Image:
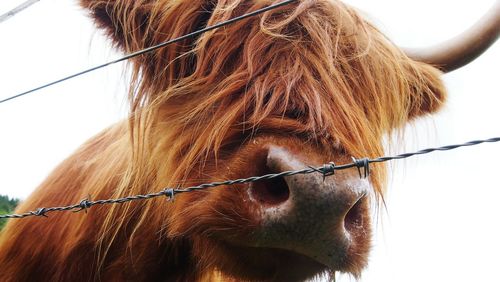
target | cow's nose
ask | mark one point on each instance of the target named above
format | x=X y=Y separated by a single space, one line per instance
x=308 y=213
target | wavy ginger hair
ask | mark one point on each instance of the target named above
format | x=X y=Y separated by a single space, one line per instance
x=313 y=71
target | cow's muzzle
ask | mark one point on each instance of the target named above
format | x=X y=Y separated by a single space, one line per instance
x=325 y=219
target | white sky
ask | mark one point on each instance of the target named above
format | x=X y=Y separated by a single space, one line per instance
x=442 y=219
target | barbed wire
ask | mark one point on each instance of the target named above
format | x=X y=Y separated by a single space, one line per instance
x=17 y=10
x=326 y=170
x=152 y=48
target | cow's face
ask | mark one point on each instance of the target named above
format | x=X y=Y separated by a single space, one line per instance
x=300 y=86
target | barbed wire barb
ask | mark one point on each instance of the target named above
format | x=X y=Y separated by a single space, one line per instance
x=326 y=170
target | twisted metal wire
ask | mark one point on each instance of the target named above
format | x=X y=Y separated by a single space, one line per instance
x=326 y=170
x=152 y=48
x=17 y=10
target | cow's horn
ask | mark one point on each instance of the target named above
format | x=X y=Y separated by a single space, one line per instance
x=464 y=48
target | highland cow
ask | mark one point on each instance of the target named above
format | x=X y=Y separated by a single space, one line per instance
x=301 y=85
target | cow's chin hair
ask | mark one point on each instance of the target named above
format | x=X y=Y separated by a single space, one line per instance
x=244 y=263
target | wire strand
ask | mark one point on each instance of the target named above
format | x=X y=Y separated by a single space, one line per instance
x=152 y=48
x=17 y=10
x=326 y=170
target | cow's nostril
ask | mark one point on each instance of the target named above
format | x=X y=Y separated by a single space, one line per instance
x=354 y=217
x=270 y=192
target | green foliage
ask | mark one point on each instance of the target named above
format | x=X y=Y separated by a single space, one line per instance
x=6 y=206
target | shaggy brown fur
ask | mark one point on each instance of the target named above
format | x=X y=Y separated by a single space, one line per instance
x=312 y=74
